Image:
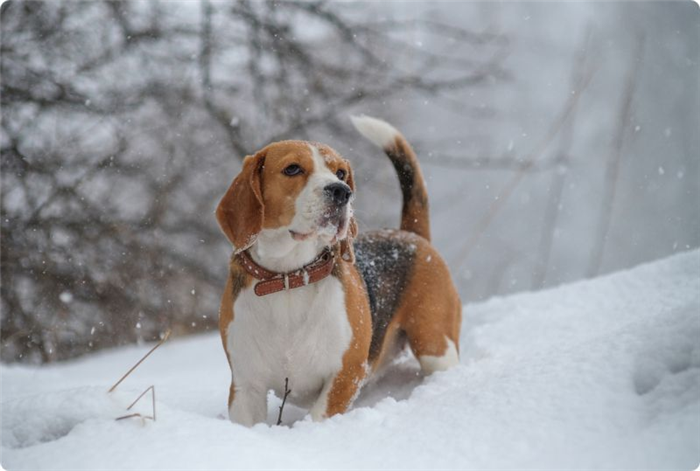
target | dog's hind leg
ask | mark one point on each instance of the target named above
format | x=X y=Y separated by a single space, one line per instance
x=430 y=364
x=431 y=313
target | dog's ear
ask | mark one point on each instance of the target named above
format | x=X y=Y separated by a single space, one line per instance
x=351 y=179
x=241 y=211
x=346 y=249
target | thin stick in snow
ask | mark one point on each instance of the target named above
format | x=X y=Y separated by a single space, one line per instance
x=165 y=337
x=153 y=399
x=284 y=400
x=129 y=416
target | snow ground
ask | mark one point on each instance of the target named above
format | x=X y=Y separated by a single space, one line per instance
x=598 y=374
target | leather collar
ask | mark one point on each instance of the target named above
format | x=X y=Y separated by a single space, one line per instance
x=272 y=282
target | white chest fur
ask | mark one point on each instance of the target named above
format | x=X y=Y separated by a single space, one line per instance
x=299 y=334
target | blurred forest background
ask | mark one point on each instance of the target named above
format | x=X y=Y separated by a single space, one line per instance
x=559 y=142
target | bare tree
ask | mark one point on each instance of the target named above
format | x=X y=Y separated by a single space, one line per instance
x=582 y=67
x=614 y=159
x=123 y=123
x=528 y=163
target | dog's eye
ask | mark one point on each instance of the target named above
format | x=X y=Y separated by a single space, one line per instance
x=341 y=174
x=292 y=170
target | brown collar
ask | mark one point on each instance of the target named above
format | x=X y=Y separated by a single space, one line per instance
x=272 y=282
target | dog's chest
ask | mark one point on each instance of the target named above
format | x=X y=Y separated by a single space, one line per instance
x=299 y=334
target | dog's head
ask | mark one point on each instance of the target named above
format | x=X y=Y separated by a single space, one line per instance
x=303 y=190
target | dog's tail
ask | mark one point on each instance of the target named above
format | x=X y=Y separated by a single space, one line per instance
x=414 y=215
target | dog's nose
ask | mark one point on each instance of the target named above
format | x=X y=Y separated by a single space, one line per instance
x=338 y=193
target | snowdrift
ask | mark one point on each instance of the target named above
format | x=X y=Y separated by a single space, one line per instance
x=598 y=374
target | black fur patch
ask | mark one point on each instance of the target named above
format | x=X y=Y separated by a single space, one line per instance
x=412 y=193
x=405 y=172
x=385 y=262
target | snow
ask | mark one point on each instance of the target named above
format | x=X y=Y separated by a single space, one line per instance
x=598 y=374
x=66 y=297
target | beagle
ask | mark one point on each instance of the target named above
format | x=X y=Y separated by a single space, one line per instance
x=309 y=300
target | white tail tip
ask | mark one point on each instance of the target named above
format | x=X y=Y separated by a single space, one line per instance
x=379 y=132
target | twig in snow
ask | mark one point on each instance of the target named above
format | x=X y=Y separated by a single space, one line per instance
x=153 y=399
x=165 y=337
x=130 y=416
x=284 y=400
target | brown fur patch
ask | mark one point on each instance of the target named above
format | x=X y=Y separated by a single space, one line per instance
x=348 y=380
x=430 y=310
x=280 y=191
x=241 y=211
x=237 y=280
x=392 y=342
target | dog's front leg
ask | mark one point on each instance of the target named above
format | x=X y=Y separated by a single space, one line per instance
x=247 y=405
x=339 y=391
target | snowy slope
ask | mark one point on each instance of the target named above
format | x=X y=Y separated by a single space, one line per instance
x=598 y=374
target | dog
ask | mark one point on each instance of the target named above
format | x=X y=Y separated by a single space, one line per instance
x=308 y=300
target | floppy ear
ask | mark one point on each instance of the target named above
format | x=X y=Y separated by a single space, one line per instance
x=347 y=252
x=241 y=211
